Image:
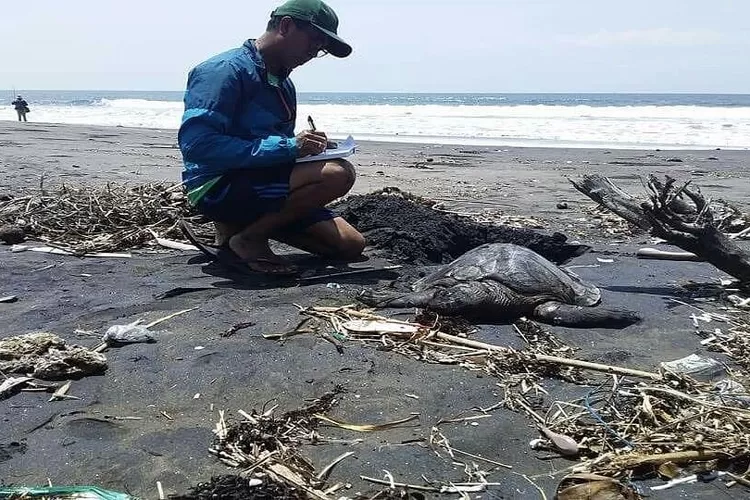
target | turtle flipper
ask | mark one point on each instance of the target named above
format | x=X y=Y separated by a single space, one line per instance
x=556 y=313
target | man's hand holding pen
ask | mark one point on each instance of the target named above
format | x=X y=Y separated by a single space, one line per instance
x=312 y=141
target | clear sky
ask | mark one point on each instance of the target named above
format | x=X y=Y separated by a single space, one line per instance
x=399 y=45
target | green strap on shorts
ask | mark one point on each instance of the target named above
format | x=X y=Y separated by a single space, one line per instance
x=196 y=195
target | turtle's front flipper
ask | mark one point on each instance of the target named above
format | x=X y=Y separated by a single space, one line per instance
x=556 y=313
x=378 y=298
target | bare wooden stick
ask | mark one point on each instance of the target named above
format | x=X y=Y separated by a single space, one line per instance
x=174 y=245
x=165 y=318
x=554 y=359
x=678 y=457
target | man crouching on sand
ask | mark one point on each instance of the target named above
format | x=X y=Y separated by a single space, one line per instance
x=239 y=148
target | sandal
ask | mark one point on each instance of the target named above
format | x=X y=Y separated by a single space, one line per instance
x=208 y=250
x=230 y=259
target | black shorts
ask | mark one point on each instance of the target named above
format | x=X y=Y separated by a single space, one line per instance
x=241 y=197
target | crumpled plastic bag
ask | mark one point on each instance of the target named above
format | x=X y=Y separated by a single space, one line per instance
x=728 y=391
x=701 y=368
x=132 y=333
x=63 y=493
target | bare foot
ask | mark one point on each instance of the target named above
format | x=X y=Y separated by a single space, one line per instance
x=257 y=254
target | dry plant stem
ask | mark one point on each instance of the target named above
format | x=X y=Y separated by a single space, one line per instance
x=477 y=457
x=323 y=474
x=400 y=485
x=738 y=479
x=555 y=359
x=679 y=457
x=86 y=220
x=287 y=475
x=538 y=488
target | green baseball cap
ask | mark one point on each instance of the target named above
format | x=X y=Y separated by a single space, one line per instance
x=319 y=15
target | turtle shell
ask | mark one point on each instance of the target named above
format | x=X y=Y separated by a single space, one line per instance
x=522 y=270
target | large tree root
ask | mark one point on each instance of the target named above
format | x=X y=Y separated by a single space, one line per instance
x=677 y=214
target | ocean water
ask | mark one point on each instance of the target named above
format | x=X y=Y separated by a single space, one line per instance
x=624 y=121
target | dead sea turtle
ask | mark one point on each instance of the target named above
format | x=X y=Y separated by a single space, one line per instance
x=497 y=282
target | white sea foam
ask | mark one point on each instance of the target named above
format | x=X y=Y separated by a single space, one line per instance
x=699 y=127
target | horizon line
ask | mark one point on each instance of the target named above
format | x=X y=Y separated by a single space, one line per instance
x=16 y=90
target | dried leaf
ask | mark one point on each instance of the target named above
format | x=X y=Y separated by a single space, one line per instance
x=366 y=427
x=669 y=470
x=593 y=487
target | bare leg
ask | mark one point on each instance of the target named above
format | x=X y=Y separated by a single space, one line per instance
x=312 y=185
x=224 y=231
x=335 y=239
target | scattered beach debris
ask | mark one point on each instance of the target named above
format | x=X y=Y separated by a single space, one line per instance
x=262 y=441
x=62 y=393
x=497 y=282
x=233 y=487
x=132 y=333
x=698 y=367
x=618 y=426
x=90 y=219
x=545 y=354
x=624 y=426
x=11 y=384
x=62 y=493
x=60 y=251
x=406 y=228
x=269 y=447
x=594 y=487
x=608 y=222
x=564 y=444
x=236 y=328
x=47 y=356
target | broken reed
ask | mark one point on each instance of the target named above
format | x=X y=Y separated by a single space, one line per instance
x=624 y=425
x=261 y=436
x=619 y=426
x=523 y=368
x=105 y=218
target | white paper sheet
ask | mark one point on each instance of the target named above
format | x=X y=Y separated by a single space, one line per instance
x=344 y=148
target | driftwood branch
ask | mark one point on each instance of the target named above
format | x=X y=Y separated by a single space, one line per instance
x=677 y=214
x=606 y=193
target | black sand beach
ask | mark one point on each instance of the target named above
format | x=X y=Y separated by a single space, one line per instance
x=177 y=385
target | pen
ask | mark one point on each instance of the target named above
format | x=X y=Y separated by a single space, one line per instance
x=311 y=123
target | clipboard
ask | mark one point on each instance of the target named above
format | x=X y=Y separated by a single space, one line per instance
x=345 y=148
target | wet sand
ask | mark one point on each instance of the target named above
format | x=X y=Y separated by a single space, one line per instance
x=77 y=441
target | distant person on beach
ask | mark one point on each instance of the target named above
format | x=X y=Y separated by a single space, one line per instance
x=239 y=148
x=22 y=107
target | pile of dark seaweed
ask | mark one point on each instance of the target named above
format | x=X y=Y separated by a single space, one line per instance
x=405 y=228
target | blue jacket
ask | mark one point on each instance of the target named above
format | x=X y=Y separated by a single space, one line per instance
x=234 y=118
